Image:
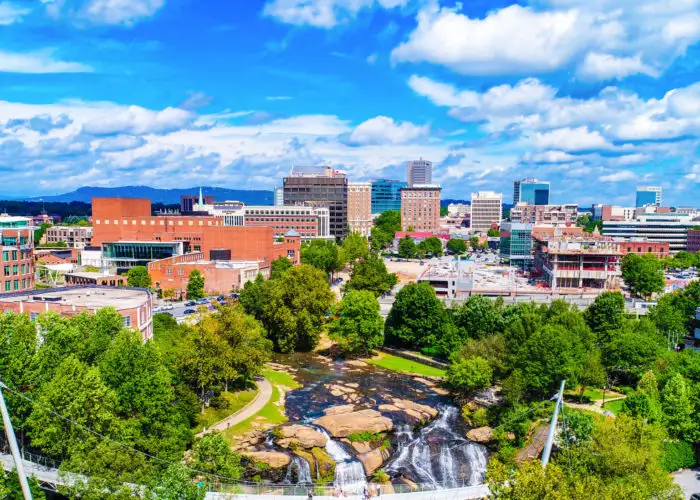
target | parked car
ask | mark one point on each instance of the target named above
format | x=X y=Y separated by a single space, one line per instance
x=202 y=301
x=168 y=306
x=190 y=303
x=189 y=311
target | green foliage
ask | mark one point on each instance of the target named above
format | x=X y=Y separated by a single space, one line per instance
x=457 y=246
x=359 y=328
x=138 y=277
x=478 y=317
x=432 y=247
x=443 y=211
x=253 y=296
x=389 y=222
x=39 y=233
x=380 y=477
x=11 y=489
x=177 y=483
x=493 y=232
x=678 y=409
x=379 y=240
x=417 y=318
x=355 y=247
x=293 y=308
x=677 y=455
x=322 y=254
x=366 y=437
x=212 y=454
x=470 y=374
x=371 y=275
x=643 y=274
x=195 y=285
x=579 y=427
x=407 y=248
x=279 y=267
x=605 y=315
x=55 y=244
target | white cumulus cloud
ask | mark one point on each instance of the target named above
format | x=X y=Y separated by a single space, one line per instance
x=38 y=62
x=384 y=130
x=11 y=13
x=113 y=12
x=622 y=175
x=598 y=66
x=323 y=13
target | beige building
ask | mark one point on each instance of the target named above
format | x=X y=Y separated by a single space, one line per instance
x=360 y=207
x=420 y=208
x=487 y=209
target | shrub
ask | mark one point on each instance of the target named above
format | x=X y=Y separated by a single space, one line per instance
x=677 y=455
x=380 y=476
x=220 y=402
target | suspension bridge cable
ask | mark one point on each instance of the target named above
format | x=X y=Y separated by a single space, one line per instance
x=125 y=446
x=566 y=436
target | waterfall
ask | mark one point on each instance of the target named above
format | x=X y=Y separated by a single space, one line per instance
x=349 y=473
x=303 y=471
x=439 y=455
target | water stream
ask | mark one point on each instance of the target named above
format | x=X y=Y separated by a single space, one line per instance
x=349 y=472
x=298 y=472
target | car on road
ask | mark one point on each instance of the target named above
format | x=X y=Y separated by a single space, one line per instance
x=189 y=311
x=202 y=301
x=190 y=303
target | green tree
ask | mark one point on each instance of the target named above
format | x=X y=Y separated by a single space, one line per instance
x=380 y=239
x=138 y=277
x=678 y=409
x=433 y=246
x=457 y=246
x=39 y=233
x=280 y=266
x=355 y=247
x=195 y=285
x=254 y=295
x=389 y=222
x=177 y=483
x=10 y=488
x=493 y=232
x=296 y=307
x=593 y=372
x=474 y=242
x=213 y=455
x=467 y=375
x=605 y=314
x=359 y=328
x=407 y=247
x=417 y=318
x=443 y=211
x=371 y=274
x=322 y=254
x=478 y=317
x=644 y=275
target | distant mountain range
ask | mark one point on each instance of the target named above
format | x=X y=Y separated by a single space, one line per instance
x=166 y=196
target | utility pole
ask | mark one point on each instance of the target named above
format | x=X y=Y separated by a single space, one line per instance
x=13 y=446
x=553 y=426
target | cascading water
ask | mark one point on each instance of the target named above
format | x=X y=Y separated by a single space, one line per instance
x=438 y=455
x=303 y=472
x=349 y=473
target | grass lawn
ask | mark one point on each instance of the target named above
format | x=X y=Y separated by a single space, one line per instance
x=402 y=365
x=614 y=406
x=281 y=378
x=236 y=400
x=593 y=394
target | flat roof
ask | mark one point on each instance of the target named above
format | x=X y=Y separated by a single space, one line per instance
x=85 y=297
x=87 y=274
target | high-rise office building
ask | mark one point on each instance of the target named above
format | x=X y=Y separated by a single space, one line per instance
x=531 y=191
x=487 y=209
x=320 y=187
x=386 y=195
x=360 y=207
x=279 y=196
x=419 y=172
x=648 y=195
x=420 y=208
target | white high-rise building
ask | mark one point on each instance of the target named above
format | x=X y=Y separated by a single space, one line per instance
x=279 y=196
x=419 y=172
x=487 y=209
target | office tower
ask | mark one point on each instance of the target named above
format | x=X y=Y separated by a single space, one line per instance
x=279 y=196
x=360 y=207
x=531 y=191
x=648 y=195
x=386 y=195
x=419 y=172
x=420 y=207
x=487 y=209
x=320 y=187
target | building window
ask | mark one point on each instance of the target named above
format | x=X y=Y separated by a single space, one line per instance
x=15 y=270
x=24 y=283
x=33 y=316
x=169 y=271
x=7 y=270
x=180 y=271
x=126 y=321
x=7 y=286
x=15 y=284
x=14 y=254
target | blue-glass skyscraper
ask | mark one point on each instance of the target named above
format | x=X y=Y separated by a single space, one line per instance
x=648 y=195
x=386 y=195
x=531 y=191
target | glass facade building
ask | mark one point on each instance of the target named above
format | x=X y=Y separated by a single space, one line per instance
x=531 y=191
x=516 y=243
x=386 y=195
x=127 y=254
x=648 y=195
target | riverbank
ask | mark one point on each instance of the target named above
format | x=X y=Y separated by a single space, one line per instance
x=403 y=365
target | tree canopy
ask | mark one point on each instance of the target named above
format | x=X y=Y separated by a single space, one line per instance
x=407 y=248
x=138 y=277
x=359 y=327
x=195 y=285
x=644 y=275
x=371 y=275
x=457 y=246
x=322 y=254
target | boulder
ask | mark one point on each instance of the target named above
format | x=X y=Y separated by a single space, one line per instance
x=344 y=424
x=337 y=410
x=356 y=362
x=480 y=435
x=373 y=460
x=275 y=459
x=248 y=440
x=293 y=436
x=412 y=412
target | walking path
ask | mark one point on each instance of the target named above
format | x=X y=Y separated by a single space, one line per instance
x=596 y=406
x=261 y=399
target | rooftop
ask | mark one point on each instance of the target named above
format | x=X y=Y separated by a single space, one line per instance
x=84 y=297
x=220 y=264
x=93 y=275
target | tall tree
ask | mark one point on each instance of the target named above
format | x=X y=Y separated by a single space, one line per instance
x=213 y=455
x=195 y=285
x=389 y=222
x=643 y=274
x=138 y=277
x=469 y=374
x=417 y=318
x=355 y=247
x=407 y=247
x=359 y=328
x=371 y=274
x=606 y=314
x=474 y=242
x=478 y=317
x=322 y=254
x=678 y=409
x=280 y=266
x=296 y=307
x=254 y=295
x=457 y=246
x=433 y=246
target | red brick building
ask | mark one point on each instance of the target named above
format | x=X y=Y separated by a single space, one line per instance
x=17 y=254
x=129 y=220
x=220 y=276
x=660 y=249
x=694 y=240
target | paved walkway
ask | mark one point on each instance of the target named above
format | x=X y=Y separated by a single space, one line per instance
x=688 y=480
x=261 y=399
x=596 y=406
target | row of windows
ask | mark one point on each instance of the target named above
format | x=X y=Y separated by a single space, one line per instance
x=22 y=254
x=15 y=284
x=15 y=270
x=161 y=222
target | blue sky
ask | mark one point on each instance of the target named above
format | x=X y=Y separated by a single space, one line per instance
x=595 y=96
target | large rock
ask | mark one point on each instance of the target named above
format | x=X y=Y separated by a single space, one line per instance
x=373 y=460
x=345 y=424
x=337 y=410
x=274 y=459
x=299 y=435
x=480 y=435
x=412 y=412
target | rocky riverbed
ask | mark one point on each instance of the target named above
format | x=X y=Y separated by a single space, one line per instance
x=351 y=419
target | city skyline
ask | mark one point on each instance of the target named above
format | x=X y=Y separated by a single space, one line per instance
x=168 y=93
